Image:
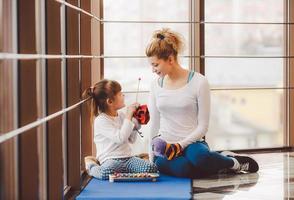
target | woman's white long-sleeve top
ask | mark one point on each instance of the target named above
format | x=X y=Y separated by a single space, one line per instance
x=180 y=115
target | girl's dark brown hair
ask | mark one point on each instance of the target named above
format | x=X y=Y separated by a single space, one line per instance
x=164 y=43
x=99 y=93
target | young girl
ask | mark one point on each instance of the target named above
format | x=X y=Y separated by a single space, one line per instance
x=179 y=112
x=113 y=132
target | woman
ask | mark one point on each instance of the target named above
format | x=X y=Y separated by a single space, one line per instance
x=179 y=107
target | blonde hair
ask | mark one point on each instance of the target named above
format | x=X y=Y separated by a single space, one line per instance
x=164 y=43
x=103 y=90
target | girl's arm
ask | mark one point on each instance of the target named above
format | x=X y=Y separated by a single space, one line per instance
x=154 y=118
x=137 y=124
x=203 y=115
x=133 y=136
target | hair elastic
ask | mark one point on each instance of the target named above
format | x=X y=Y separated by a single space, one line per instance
x=160 y=36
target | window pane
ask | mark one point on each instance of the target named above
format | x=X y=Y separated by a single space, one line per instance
x=247 y=119
x=127 y=71
x=244 y=72
x=159 y=10
x=244 y=39
x=132 y=39
x=245 y=11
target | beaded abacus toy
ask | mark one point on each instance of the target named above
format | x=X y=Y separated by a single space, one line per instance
x=133 y=177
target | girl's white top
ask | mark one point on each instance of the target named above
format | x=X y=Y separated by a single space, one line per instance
x=113 y=135
x=180 y=115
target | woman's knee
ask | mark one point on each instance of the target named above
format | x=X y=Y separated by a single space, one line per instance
x=198 y=154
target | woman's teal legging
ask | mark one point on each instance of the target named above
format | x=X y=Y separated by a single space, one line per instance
x=197 y=161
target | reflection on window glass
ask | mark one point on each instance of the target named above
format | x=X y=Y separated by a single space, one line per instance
x=246 y=119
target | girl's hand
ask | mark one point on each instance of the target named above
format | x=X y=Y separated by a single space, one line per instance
x=131 y=109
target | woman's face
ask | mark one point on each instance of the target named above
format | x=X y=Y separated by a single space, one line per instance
x=159 y=66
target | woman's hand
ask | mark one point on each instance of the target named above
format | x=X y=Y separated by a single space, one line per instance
x=168 y=150
x=131 y=109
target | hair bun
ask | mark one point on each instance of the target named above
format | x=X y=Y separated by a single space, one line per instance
x=160 y=36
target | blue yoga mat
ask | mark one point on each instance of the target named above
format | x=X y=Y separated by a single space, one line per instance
x=166 y=187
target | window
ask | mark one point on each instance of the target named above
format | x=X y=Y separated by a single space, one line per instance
x=242 y=40
x=248 y=104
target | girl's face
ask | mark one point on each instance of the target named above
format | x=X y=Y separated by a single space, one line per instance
x=159 y=66
x=119 y=101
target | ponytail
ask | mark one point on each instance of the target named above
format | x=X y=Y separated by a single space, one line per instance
x=88 y=93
